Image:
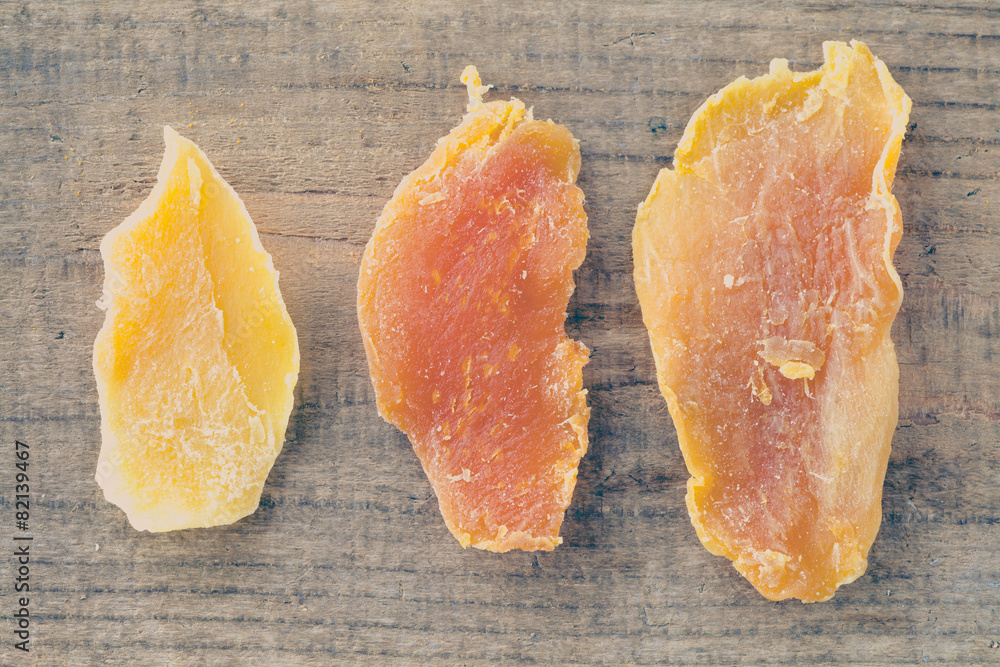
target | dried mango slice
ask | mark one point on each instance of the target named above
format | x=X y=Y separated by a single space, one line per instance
x=462 y=302
x=763 y=264
x=197 y=358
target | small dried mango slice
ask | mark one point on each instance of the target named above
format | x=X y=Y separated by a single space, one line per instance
x=763 y=264
x=462 y=302
x=197 y=358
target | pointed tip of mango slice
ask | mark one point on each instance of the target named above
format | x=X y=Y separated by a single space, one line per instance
x=841 y=60
x=470 y=77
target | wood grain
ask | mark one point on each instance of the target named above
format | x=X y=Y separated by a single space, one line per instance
x=314 y=113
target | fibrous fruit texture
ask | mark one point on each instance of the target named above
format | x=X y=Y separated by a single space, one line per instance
x=462 y=302
x=763 y=264
x=197 y=358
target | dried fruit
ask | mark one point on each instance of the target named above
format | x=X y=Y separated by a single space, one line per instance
x=462 y=303
x=763 y=264
x=197 y=358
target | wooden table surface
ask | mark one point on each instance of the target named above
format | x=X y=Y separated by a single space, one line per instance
x=314 y=114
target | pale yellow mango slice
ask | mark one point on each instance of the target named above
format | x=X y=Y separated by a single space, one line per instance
x=763 y=264
x=197 y=358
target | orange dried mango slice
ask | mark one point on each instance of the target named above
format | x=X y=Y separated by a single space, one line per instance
x=462 y=302
x=197 y=358
x=763 y=265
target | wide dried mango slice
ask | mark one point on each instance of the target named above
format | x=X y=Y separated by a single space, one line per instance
x=197 y=358
x=462 y=302
x=763 y=264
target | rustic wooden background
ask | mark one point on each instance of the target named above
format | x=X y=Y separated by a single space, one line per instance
x=314 y=113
